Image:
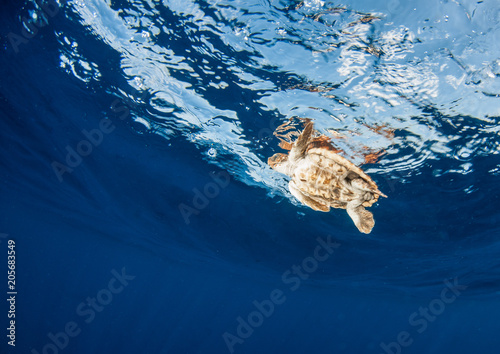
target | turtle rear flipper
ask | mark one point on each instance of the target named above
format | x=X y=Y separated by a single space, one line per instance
x=362 y=218
x=361 y=184
x=304 y=199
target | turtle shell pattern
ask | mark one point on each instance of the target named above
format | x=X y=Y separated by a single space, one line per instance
x=324 y=176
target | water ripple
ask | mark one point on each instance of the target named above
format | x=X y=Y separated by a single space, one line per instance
x=212 y=71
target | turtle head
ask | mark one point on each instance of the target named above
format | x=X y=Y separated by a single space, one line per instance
x=278 y=162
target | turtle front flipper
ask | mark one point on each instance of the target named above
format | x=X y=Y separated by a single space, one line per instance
x=362 y=218
x=300 y=146
x=304 y=199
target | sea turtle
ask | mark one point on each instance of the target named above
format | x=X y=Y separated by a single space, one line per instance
x=320 y=179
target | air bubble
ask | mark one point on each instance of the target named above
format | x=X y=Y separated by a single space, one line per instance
x=138 y=81
x=212 y=152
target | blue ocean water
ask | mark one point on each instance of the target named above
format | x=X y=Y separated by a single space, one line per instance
x=143 y=216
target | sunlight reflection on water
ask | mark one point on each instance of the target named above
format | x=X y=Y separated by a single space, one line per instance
x=219 y=72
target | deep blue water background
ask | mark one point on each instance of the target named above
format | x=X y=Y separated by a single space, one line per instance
x=188 y=98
